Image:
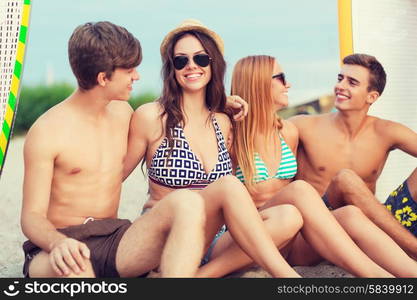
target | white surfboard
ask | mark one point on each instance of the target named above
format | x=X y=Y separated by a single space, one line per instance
x=14 y=23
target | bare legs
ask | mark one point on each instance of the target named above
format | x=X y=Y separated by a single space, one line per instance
x=320 y=229
x=228 y=201
x=328 y=236
x=375 y=243
x=282 y=222
x=171 y=235
x=348 y=188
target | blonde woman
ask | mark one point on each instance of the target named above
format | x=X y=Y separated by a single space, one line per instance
x=265 y=154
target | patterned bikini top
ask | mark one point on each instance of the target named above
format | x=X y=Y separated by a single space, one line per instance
x=183 y=169
x=287 y=167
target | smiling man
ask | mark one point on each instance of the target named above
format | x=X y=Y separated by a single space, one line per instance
x=343 y=153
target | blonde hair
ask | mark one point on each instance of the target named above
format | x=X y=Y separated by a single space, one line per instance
x=252 y=80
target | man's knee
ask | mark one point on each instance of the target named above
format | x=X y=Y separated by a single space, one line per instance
x=87 y=273
x=346 y=178
x=348 y=188
x=40 y=267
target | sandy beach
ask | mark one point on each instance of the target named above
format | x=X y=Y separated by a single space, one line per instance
x=133 y=194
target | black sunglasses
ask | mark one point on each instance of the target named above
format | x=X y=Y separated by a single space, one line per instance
x=181 y=61
x=280 y=77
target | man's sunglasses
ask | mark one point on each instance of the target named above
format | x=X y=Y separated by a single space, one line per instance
x=281 y=77
x=181 y=61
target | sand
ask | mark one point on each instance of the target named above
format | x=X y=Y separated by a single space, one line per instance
x=133 y=193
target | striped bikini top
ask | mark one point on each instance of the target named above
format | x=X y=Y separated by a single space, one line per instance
x=287 y=167
x=183 y=169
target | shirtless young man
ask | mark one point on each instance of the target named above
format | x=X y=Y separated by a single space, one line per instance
x=343 y=153
x=74 y=155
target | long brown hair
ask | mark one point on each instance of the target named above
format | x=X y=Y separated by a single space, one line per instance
x=171 y=98
x=251 y=80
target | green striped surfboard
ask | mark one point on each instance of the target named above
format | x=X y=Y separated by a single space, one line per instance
x=14 y=23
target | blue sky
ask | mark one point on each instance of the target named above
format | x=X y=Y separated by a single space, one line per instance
x=301 y=34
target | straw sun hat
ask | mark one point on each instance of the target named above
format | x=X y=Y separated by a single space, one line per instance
x=192 y=24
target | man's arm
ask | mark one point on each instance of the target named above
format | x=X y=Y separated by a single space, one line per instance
x=400 y=136
x=299 y=121
x=39 y=158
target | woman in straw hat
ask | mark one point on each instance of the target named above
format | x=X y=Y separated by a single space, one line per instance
x=182 y=138
x=264 y=151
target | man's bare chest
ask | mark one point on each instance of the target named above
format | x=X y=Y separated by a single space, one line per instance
x=330 y=153
x=92 y=152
